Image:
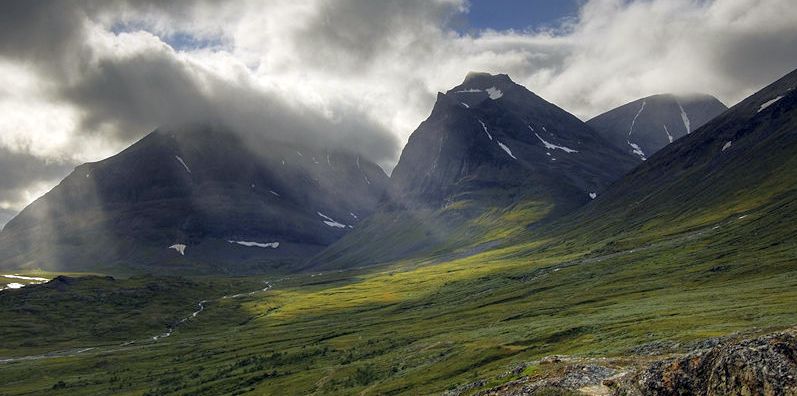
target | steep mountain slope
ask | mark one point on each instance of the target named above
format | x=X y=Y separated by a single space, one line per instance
x=742 y=161
x=644 y=126
x=491 y=131
x=196 y=199
x=490 y=149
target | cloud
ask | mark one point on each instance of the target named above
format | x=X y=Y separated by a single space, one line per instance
x=82 y=79
x=24 y=177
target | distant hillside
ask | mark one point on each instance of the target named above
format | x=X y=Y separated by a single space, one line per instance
x=195 y=200
x=644 y=126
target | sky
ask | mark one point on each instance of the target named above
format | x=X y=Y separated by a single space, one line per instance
x=81 y=80
x=517 y=14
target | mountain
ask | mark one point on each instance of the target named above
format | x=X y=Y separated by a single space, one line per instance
x=490 y=131
x=644 y=126
x=741 y=162
x=488 y=145
x=195 y=199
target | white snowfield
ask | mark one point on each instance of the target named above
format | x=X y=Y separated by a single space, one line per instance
x=631 y=129
x=183 y=164
x=551 y=146
x=727 y=145
x=16 y=285
x=593 y=195
x=685 y=118
x=485 y=130
x=272 y=245
x=769 y=103
x=508 y=151
x=668 y=133
x=331 y=222
x=30 y=278
x=179 y=247
x=637 y=150
x=465 y=104
x=494 y=93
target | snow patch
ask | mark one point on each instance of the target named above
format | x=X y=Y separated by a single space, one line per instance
x=637 y=150
x=769 y=103
x=593 y=195
x=485 y=130
x=30 y=278
x=183 y=164
x=668 y=133
x=684 y=118
x=179 y=247
x=551 y=146
x=631 y=130
x=14 y=285
x=272 y=245
x=508 y=151
x=330 y=222
x=472 y=90
x=276 y=194
x=353 y=215
x=727 y=145
x=494 y=93
x=465 y=104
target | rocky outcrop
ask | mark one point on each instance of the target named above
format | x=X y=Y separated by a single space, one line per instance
x=761 y=366
x=734 y=365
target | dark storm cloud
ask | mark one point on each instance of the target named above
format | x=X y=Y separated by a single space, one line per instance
x=351 y=33
x=123 y=97
x=42 y=32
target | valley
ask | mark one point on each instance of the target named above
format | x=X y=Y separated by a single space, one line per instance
x=438 y=325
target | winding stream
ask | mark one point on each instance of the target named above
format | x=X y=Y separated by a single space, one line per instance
x=201 y=305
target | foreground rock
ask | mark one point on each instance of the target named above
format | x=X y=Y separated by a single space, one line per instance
x=761 y=366
x=736 y=365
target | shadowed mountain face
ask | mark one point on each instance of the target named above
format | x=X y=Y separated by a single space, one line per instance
x=742 y=160
x=489 y=145
x=644 y=126
x=491 y=132
x=197 y=199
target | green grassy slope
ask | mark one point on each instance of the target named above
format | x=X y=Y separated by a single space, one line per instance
x=416 y=328
x=71 y=311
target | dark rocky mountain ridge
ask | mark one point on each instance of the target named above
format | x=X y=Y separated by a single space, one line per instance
x=644 y=126
x=195 y=198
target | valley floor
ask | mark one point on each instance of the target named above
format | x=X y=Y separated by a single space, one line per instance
x=407 y=328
